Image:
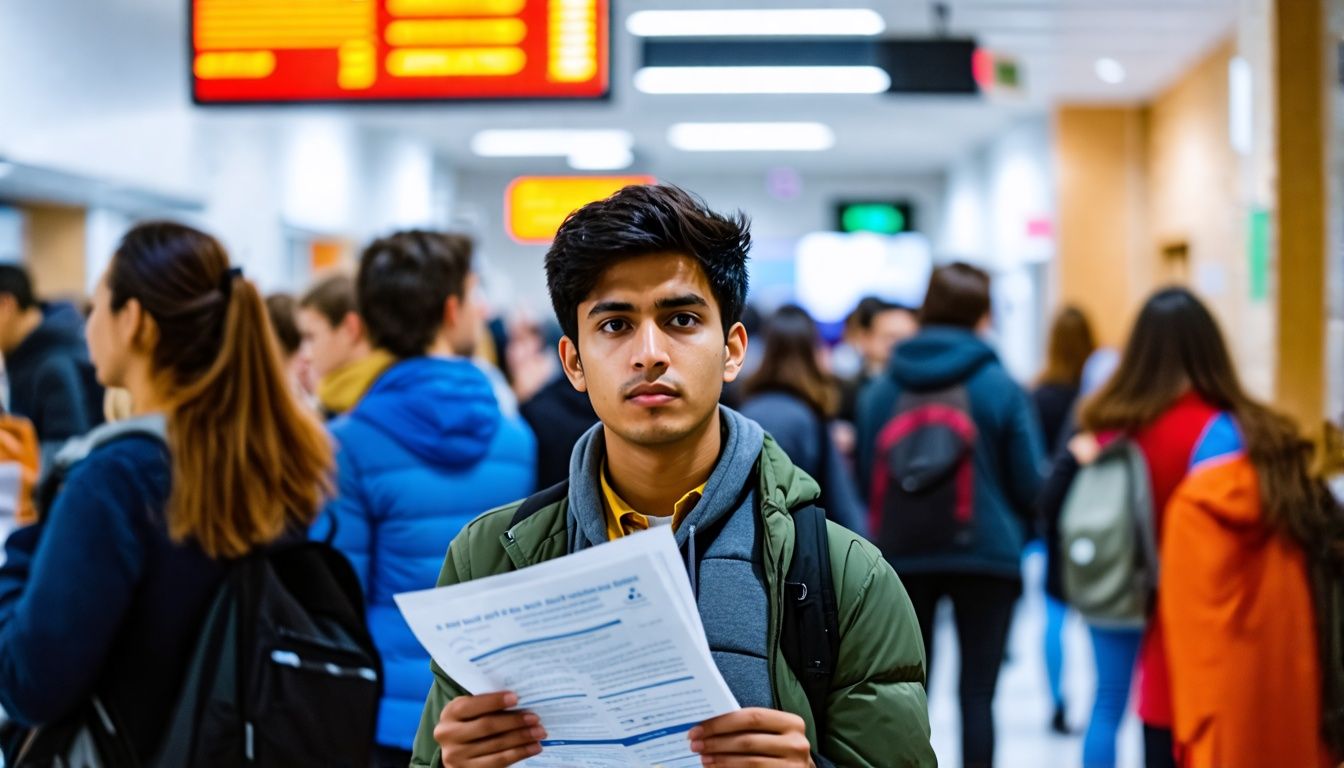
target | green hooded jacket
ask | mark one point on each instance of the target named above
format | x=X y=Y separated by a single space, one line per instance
x=877 y=710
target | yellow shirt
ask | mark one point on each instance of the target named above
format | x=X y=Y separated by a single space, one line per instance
x=623 y=519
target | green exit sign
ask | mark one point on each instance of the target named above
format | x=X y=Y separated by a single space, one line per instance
x=884 y=218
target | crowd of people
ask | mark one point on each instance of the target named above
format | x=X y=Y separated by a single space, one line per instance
x=382 y=413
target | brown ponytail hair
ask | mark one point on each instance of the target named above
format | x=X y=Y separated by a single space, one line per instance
x=1176 y=347
x=248 y=461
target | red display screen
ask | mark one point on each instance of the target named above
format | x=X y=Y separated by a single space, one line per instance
x=391 y=50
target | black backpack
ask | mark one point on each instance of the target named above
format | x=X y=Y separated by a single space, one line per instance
x=810 y=637
x=923 y=490
x=284 y=671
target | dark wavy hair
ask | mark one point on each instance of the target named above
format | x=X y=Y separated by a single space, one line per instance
x=637 y=221
x=404 y=280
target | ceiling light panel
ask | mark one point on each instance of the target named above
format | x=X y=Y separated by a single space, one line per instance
x=701 y=80
x=751 y=137
x=804 y=22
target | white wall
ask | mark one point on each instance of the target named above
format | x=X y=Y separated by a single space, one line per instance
x=116 y=106
x=991 y=196
x=515 y=270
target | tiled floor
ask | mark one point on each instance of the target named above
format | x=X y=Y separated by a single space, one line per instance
x=1022 y=707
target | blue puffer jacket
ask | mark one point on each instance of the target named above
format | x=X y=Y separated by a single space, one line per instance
x=1009 y=452
x=425 y=451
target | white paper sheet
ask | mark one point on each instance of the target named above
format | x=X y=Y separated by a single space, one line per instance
x=605 y=646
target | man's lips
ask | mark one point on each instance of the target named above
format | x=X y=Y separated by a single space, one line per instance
x=652 y=395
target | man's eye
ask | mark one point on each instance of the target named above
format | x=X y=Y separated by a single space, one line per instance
x=685 y=320
x=612 y=326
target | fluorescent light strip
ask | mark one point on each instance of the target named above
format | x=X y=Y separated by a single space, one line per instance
x=850 y=22
x=585 y=150
x=547 y=143
x=751 y=137
x=685 y=80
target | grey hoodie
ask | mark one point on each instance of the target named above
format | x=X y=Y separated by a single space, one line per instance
x=722 y=547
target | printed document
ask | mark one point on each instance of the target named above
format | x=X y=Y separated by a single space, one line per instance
x=604 y=645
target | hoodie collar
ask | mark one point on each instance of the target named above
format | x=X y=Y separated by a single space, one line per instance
x=741 y=448
x=340 y=390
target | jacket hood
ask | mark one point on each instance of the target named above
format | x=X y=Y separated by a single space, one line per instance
x=939 y=357
x=442 y=410
x=62 y=328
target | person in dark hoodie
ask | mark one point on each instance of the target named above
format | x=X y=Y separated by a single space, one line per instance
x=422 y=453
x=979 y=569
x=649 y=287
x=51 y=381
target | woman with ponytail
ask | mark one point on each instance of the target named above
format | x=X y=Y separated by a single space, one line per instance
x=105 y=595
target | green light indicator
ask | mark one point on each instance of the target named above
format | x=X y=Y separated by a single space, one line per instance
x=873 y=217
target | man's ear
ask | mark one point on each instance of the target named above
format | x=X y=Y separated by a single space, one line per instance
x=352 y=326
x=452 y=311
x=572 y=364
x=735 y=352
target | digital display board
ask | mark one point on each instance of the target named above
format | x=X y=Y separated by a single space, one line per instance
x=398 y=50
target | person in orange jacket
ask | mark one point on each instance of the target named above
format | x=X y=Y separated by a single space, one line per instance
x=1234 y=597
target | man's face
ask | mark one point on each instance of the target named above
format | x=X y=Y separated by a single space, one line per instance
x=652 y=354
x=890 y=328
x=326 y=347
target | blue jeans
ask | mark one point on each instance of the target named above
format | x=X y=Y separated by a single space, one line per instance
x=1055 y=612
x=1115 y=652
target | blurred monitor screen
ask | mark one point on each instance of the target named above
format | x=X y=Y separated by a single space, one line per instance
x=398 y=50
x=833 y=271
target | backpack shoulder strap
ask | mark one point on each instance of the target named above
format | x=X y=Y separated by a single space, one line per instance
x=51 y=478
x=810 y=605
x=539 y=501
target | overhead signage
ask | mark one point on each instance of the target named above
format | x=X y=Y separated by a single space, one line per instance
x=536 y=206
x=398 y=50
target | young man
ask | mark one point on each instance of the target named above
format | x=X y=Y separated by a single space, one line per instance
x=424 y=451
x=51 y=381
x=648 y=286
x=343 y=362
x=876 y=327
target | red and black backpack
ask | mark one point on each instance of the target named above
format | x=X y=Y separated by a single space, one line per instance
x=923 y=482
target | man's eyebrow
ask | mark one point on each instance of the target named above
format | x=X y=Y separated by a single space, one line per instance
x=602 y=307
x=676 y=302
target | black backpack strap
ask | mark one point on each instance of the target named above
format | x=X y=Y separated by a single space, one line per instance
x=810 y=638
x=540 y=500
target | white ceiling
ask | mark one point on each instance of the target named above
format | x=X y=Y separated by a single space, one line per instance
x=1056 y=43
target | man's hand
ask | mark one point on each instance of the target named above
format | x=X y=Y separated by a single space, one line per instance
x=752 y=738
x=479 y=732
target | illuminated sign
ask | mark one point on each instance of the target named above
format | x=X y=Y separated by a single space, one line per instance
x=884 y=218
x=374 y=50
x=536 y=206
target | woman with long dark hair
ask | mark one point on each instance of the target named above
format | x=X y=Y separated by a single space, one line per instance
x=794 y=399
x=105 y=595
x=1228 y=660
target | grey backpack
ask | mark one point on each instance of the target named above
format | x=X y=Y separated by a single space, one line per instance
x=1107 y=539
